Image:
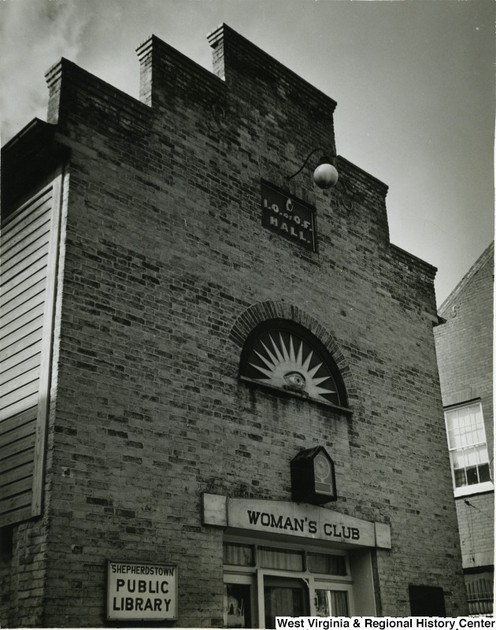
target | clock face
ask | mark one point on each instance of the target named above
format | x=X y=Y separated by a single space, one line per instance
x=322 y=468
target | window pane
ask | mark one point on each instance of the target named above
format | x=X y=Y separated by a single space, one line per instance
x=460 y=479
x=339 y=603
x=322 y=603
x=330 y=603
x=472 y=476
x=284 y=601
x=483 y=455
x=484 y=474
x=271 y=558
x=472 y=456
x=237 y=606
x=239 y=555
x=458 y=459
x=326 y=563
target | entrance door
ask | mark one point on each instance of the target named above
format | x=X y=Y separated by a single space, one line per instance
x=284 y=597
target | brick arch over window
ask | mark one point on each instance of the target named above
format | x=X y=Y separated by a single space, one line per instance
x=257 y=314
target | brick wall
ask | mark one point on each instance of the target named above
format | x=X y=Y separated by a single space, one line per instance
x=465 y=342
x=24 y=546
x=464 y=347
x=476 y=526
x=166 y=266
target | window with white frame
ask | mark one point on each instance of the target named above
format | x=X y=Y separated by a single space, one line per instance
x=468 y=448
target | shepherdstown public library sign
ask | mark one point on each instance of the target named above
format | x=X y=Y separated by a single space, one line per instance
x=141 y=591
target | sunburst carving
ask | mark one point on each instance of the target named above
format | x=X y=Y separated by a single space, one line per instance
x=284 y=360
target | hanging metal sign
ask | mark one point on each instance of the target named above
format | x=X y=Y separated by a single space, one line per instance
x=289 y=217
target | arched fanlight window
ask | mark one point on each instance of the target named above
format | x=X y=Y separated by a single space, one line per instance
x=281 y=354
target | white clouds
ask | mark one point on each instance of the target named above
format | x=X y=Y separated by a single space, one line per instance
x=414 y=84
x=34 y=35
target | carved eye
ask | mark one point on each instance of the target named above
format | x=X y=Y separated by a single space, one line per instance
x=295 y=379
x=286 y=361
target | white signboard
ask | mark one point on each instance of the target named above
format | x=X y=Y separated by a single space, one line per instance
x=141 y=591
x=293 y=519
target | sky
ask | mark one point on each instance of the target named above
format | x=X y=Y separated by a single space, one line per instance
x=413 y=79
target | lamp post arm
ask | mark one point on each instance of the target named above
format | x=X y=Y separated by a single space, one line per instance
x=306 y=161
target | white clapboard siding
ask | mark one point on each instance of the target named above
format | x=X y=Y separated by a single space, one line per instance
x=17 y=438
x=22 y=248
x=29 y=364
x=8 y=272
x=29 y=243
x=8 y=326
x=20 y=338
x=20 y=362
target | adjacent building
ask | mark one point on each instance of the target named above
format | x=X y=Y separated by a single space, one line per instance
x=221 y=397
x=465 y=356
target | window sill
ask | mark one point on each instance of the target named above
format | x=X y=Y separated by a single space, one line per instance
x=479 y=488
x=292 y=394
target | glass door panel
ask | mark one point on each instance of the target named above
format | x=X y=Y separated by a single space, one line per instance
x=284 y=598
x=331 y=603
x=237 y=606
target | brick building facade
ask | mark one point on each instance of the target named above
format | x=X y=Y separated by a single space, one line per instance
x=224 y=402
x=464 y=345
